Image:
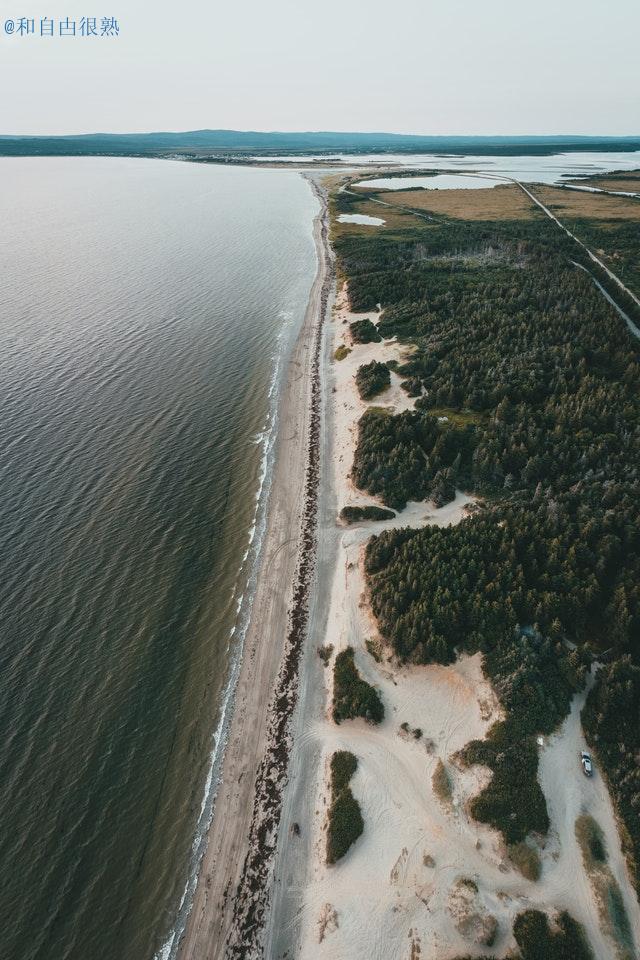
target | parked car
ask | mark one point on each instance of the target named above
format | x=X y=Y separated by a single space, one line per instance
x=587 y=764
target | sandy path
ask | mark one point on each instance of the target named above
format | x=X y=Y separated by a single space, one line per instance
x=211 y=922
x=569 y=793
x=397 y=893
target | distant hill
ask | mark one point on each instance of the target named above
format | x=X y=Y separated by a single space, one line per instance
x=235 y=143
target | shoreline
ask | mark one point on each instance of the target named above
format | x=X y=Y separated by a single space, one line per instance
x=229 y=903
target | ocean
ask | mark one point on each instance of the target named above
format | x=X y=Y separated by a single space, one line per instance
x=147 y=308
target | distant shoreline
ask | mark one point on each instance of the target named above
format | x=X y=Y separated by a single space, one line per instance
x=233 y=146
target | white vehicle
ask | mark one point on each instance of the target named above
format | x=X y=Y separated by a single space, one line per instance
x=587 y=764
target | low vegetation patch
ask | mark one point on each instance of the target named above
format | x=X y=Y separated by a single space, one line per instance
x=325 y=653
x=342 y=352
x=373 y=649
x=352 y=696
x=513 y=801
x=441 y=783
x=611 y=908
x=356 y=514
x=345 y=817
x=591 y=841
x=527 y=860
x=372 y=378
x=364 y=331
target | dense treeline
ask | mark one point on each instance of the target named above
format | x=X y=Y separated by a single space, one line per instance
x=541 y=381
x=372 y=378
x=565 y=564
x=611 y=720
x=345 y=817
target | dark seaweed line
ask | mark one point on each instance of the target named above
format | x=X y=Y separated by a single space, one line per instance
x=251 y=898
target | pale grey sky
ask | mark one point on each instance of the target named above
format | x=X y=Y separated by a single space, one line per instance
x=413 y=66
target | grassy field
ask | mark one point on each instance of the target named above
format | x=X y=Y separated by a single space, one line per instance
x=590 y=206
x=494 y=203
x=394 y=220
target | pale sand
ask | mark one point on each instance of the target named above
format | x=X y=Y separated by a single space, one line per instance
x=216 y=926
x=387 y=899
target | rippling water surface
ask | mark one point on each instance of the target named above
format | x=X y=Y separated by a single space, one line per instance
x=144 y=306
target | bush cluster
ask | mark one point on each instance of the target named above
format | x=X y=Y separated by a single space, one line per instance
x=372 y=378
x=537 y=941
x=345 y=818
x=356 y=514
x=364 y=331
x=352 y=696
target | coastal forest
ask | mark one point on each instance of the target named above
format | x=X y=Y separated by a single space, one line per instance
x=528 y=386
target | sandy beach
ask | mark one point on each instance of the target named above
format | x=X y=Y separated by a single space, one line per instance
x=225 y=918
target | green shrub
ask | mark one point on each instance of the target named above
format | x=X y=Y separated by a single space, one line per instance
x=513 y=801
x=536 y=940
x=441 y=783
x=352 y=696
x=355 y=514
x=364 y=331
x=345 y=825
x=372 y=378
x=341 y=352
x=412 y=386
x=345 y=818
x=526 y=859
x=590 y=840
x=325 y=652
x=373 y=649
x=343 y=766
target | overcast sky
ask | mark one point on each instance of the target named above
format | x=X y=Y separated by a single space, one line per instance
x=412 y=66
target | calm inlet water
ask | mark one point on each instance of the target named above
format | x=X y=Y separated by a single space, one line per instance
x=144 y=307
